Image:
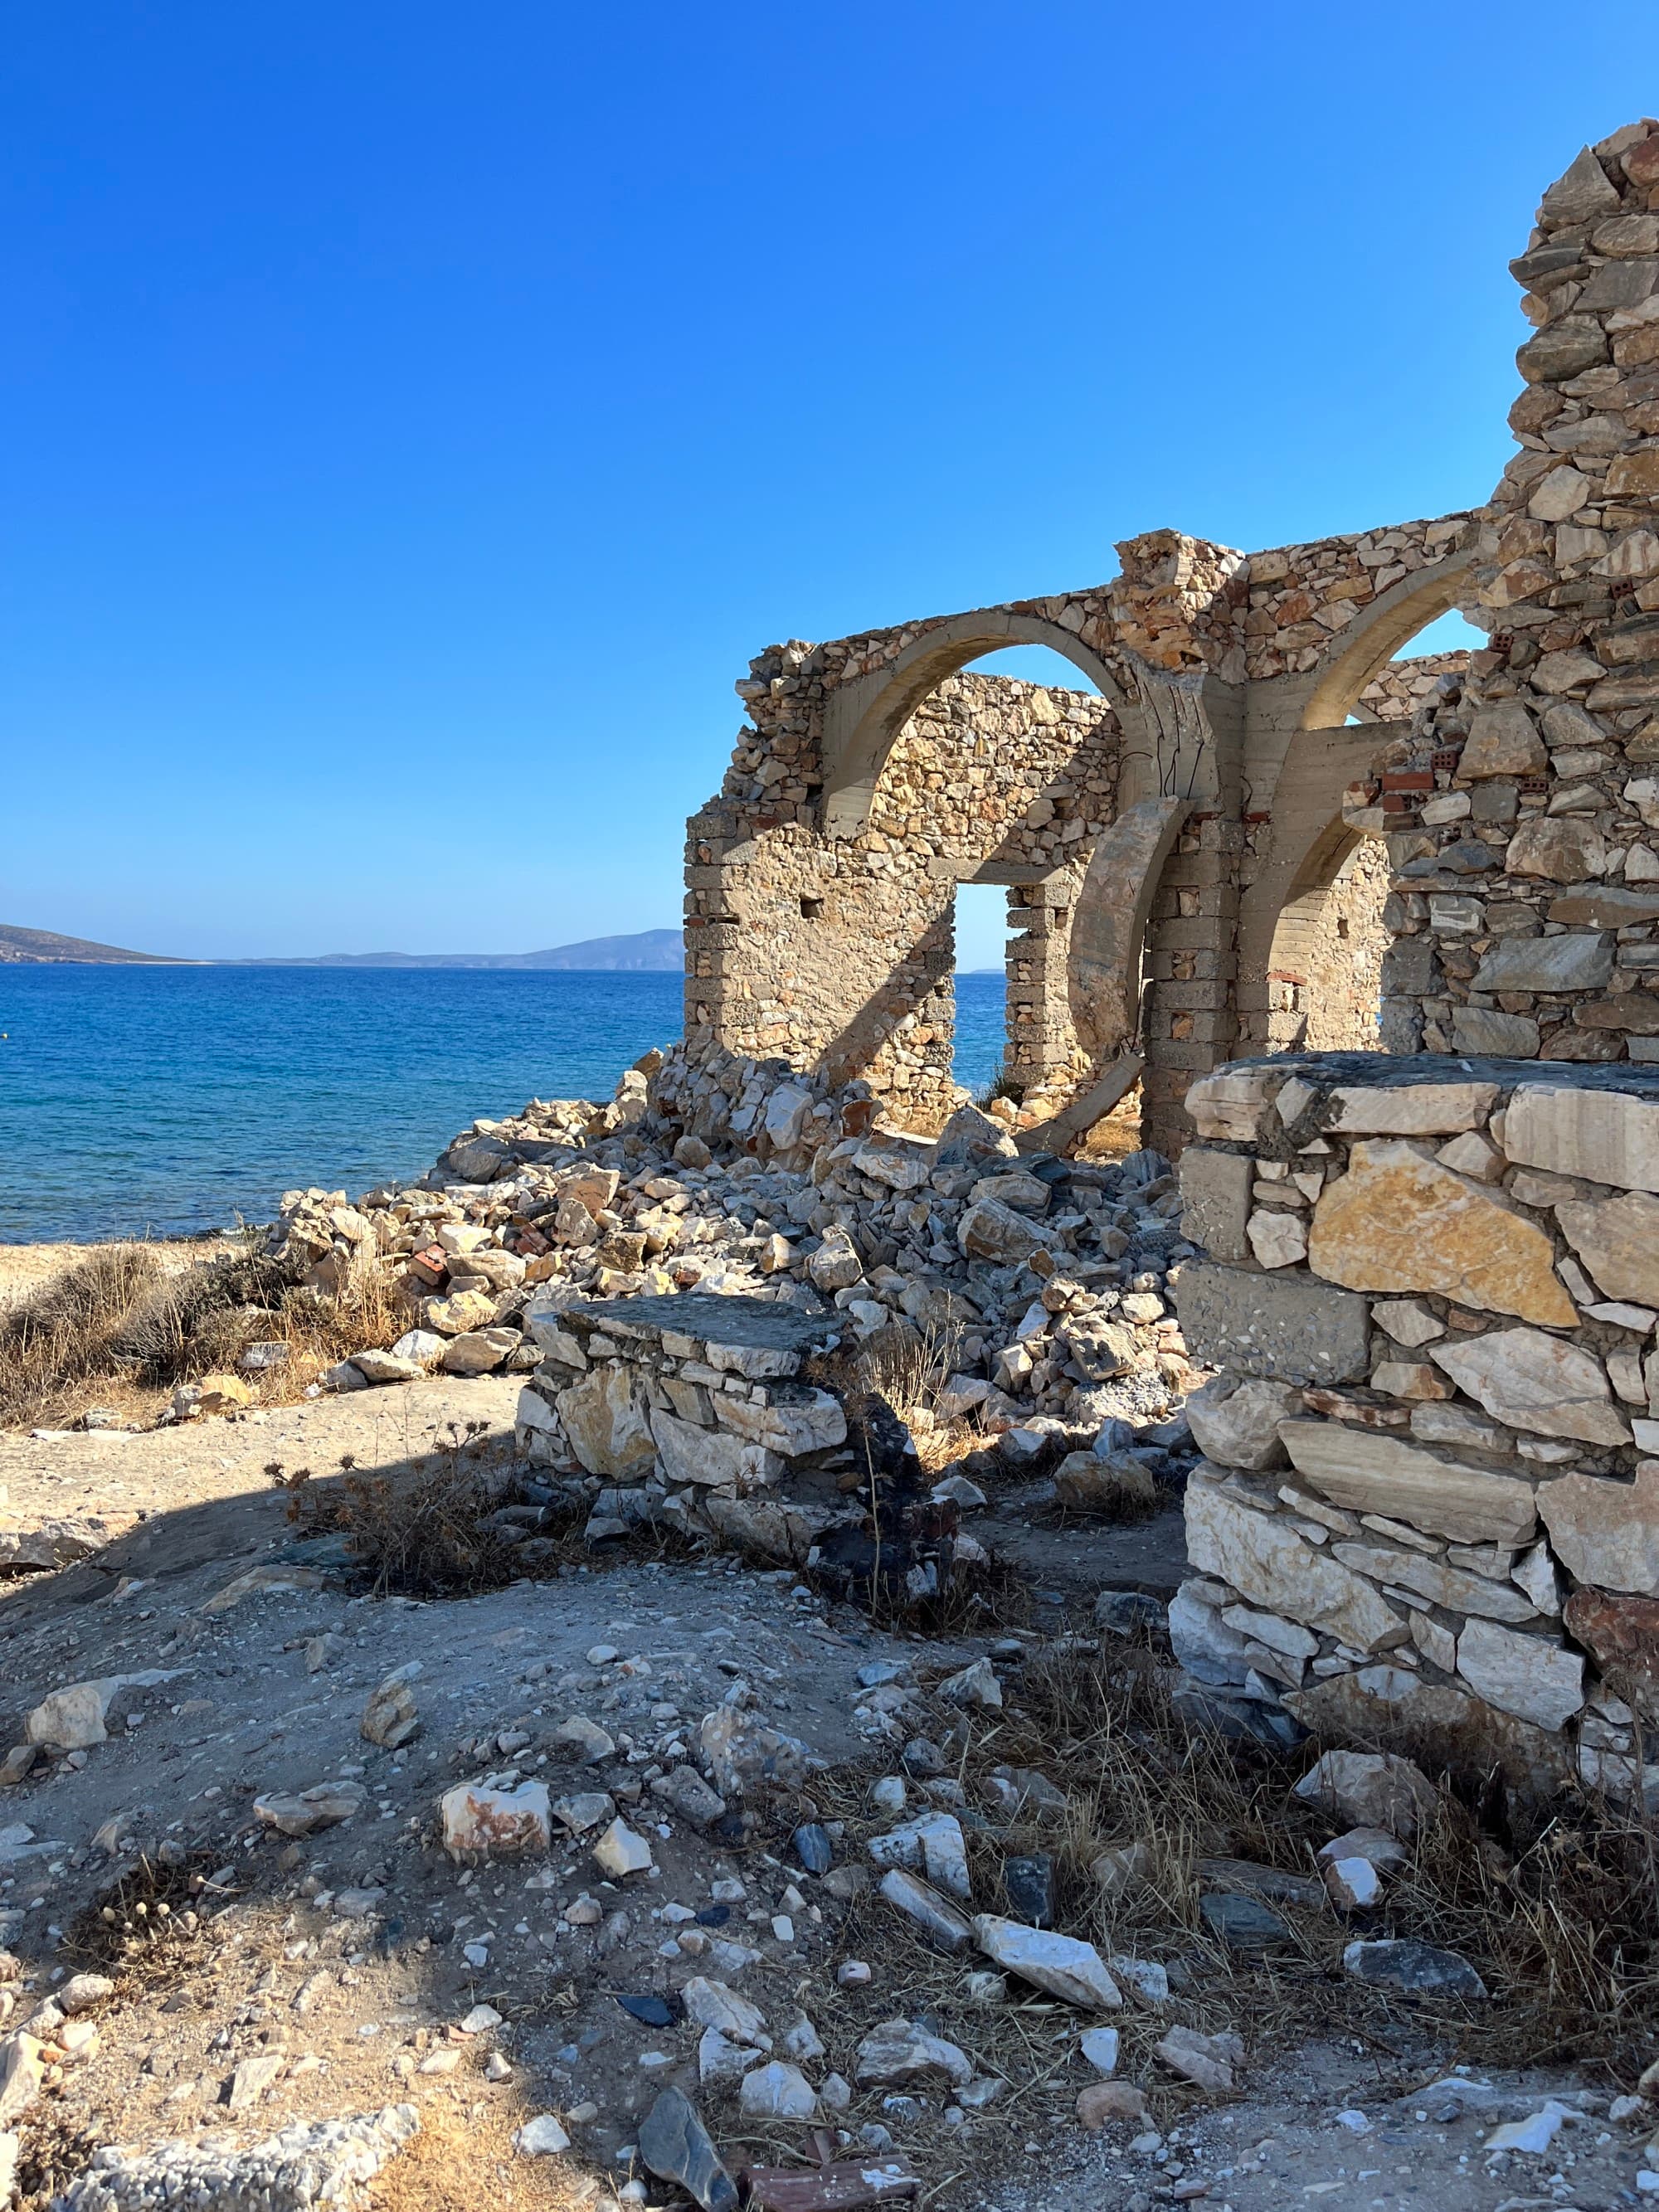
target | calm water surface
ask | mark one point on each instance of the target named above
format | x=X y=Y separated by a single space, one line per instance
x=164 y=1100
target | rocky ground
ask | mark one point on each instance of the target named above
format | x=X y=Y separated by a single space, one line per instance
x=326 y=1881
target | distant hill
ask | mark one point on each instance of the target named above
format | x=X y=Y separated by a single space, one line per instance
x=659 y=950
x=36 y=946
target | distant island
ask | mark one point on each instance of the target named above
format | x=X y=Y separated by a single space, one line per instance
x=656 y=949
x=34 y=947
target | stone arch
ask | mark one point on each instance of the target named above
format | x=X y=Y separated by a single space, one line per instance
x=1374 y=637
x=862 y=718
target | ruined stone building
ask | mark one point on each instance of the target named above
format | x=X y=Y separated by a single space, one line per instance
x=1179 y=872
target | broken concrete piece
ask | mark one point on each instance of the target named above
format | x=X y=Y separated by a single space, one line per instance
x=1288 y=1327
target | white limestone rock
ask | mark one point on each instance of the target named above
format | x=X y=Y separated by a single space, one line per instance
x=1527 y=1675
x=1073 y=1971
x=1234 y=1419
x=1530 y=1381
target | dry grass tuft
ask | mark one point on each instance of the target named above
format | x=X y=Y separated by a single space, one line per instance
x=119 y=1327
x=1560 y=1920
x=63 y=1337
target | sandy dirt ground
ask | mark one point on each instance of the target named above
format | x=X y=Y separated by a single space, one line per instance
x=341 y=1970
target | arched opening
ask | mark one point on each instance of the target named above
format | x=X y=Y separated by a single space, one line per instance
x=863 y=720
x=1312 y=934
x=1325 y=971
x=982 y=813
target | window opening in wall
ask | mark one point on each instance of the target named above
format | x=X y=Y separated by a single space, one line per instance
x=981 y=980
x=1324 y=977
x=811 y=910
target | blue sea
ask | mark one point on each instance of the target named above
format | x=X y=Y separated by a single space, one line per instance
x=161 y=1101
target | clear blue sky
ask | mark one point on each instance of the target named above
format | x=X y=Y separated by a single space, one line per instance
x=416 y=416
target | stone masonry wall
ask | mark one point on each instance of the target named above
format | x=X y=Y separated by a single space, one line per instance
x=1428 y=1510
x=832 y=948
x=840 y=954
x=1520 y=816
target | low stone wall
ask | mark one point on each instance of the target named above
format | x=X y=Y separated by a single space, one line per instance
x=1426 y=1511
x=690 y=1411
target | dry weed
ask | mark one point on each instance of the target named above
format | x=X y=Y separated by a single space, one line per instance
x=56 y=1342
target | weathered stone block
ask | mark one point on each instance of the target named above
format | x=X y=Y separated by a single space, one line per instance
x=1229 y=1102
x=1261 y=1555
x=1400 y=1221
x=1605 y=1136
x=1580 y=962
x=1618 y=1240
x=603 y=1419
x=1286 y=1327
x=1536 y=1679
x=1606 y=1533
x=1503 y=740
x=1530 y=1381
x=713 y=1457
x=1483 y=1029
x=1235 y=1421
x=1373 y=1473
x=1215 y=1191
x=1411 y=1110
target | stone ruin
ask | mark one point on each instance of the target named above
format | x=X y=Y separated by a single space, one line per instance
x=1430 y=1284
x=1184 y=884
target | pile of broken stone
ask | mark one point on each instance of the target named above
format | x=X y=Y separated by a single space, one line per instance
x=1035 y=1286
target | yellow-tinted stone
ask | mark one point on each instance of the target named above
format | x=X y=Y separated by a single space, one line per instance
x=1400 y=1221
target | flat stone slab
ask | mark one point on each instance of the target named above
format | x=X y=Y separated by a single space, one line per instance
x=762 y=1337
x=1286 y=1327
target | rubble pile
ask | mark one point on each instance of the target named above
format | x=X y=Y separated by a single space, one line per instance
x=1027 y=1293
